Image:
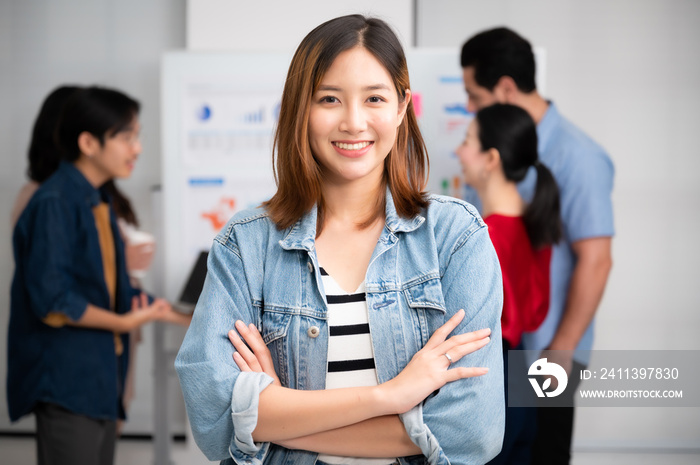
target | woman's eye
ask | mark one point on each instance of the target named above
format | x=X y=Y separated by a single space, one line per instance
x=375 y=99
x=328 y=99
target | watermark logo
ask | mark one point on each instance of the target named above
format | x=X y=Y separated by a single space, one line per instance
x=542 y=367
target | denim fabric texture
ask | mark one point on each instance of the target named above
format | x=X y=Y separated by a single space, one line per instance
x=58 y=268
x=422 y=271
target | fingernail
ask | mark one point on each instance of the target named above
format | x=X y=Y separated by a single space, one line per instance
x=252 y=327
x=240 y=325
x=484 y=370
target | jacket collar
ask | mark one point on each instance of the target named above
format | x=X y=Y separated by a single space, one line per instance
x=83 y=188
x=303 y=234
x=395 y=223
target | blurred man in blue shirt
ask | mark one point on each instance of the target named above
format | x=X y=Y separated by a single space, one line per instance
x=499 y=67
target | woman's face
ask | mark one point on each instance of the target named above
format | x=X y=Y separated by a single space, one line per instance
x=471 y=156
x=117 y=156
x=354 y=117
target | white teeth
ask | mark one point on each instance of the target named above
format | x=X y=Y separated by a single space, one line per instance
x=357 y=146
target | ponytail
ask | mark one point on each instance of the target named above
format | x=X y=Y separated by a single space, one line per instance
x=511 y=130
x=44 y=152
x=120 y=203
x=541 y=216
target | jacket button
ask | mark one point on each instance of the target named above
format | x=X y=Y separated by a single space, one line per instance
x=310 y=266
x=313 y=332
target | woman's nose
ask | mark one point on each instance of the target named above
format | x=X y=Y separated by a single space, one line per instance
x=137 y=147
x=354 y=120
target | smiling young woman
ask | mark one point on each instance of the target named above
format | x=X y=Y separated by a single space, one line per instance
x=354 y=118
x=362 y=305
x=297 y=173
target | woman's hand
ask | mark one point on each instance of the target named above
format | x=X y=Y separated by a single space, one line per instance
x=176 y=318
x=429 y=369
x=253 y=354
x=142 y=313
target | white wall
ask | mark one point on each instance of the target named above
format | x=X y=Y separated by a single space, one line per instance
x=46 y=43
x=278 y=25
x=626 y=71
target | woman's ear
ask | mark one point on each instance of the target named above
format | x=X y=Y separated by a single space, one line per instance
x=493 y=159
x=403 y=106
x=88 y=144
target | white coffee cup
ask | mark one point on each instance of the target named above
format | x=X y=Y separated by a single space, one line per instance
x=135 y=237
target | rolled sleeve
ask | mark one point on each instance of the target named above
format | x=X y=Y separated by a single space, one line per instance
x=464 y=422
x=221 y=401
x=244 y=415
x=421 y=435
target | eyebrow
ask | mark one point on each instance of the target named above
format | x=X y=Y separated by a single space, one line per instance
x=129 y=128
x=366 y=88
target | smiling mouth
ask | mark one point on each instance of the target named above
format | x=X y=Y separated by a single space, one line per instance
x=357 y=146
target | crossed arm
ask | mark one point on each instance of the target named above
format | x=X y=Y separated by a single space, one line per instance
x=354 y=421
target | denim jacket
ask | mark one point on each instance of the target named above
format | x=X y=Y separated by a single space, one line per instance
x=423 y=270
x=58 y=269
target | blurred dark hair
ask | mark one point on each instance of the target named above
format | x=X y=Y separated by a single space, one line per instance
x=101 y=112
x=510 y=130
x=120 y=203
x=500 y=52
x=44 y=154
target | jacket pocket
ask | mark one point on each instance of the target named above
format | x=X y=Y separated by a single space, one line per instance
x=425 y=294
x=275 y=324
x=275 y=327
x=425 y=298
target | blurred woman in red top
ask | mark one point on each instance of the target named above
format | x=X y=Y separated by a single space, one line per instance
x=499 y=149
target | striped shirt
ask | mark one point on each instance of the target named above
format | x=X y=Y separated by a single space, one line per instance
x=350 y=351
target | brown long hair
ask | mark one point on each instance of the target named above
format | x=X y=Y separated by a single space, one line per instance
x=297 y=173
